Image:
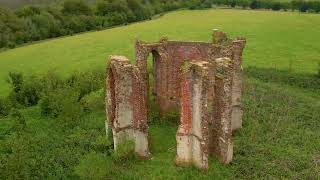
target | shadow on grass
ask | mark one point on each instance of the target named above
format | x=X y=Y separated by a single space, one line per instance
x=301 y=80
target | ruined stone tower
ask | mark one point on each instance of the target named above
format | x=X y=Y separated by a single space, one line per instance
x=202 y=79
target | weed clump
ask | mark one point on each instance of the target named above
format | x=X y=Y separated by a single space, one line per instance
x=125 y=151
x=5 y=107
x=25 y=91
x=94 y=166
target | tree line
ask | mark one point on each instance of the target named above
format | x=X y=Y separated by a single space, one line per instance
x=33 y=23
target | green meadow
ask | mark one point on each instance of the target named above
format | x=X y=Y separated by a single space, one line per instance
x=280 y=138
x=274 y=39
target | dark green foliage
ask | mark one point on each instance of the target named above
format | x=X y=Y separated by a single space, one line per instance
x=25 y=92
x=16 y=81
x=27 y=11
x=276 y=6
x=243 y=3
x=254 y=4
x=76 y=7
x=5 y=106
x=12 y=29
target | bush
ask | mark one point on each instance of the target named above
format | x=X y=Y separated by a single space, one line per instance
x=62 y=104
x=94 y=166
x=125 y=150
x=5 y=107
x=94 y=101
x=87 y=82
x=16 y=80
x=19 y=124
x=54 y=103
x=25 y=92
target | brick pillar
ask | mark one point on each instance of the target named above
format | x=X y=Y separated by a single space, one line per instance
x=221 y=132
x=125 y=104
x=192 y=135
x=119 y=97
x=237 y=49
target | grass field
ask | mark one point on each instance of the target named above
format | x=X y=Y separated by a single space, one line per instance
x=280 y=138
x=275 y=39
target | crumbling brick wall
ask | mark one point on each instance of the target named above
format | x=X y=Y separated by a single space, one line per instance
x=203 y=80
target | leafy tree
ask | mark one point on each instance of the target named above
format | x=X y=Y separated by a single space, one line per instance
x=303 y=6
x=243 y=3
x=28 y=11
x=76 y=7
x=102 y=8
x=254 y=4
x=276 y=6
x=12 y=28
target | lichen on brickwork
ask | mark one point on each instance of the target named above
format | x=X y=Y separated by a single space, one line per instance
x=202 y=79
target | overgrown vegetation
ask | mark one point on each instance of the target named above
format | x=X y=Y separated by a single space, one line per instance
x=73 y=133
x=63 y=134
x=33 y=23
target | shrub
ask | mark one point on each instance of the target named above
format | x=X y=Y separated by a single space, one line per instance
x=93 y=101
x=16 y=80
x=87 y=82
x=5 y=106
x=19 y=124
x=94 y=166
x=56 y=102
x=125 y=150
x=30 y=92
x=24 y=91
x=103 y=144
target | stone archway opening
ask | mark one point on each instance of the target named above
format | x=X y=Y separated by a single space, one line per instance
x=159 y=122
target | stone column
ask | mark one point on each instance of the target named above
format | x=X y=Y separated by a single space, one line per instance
x=221 y=132
x=237 y=78
x=192 y=135
x=119 y=98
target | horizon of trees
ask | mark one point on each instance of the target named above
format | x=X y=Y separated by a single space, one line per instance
x=33 y=23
